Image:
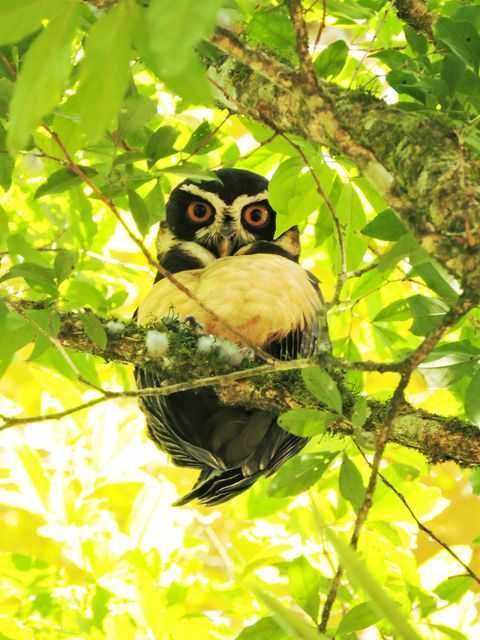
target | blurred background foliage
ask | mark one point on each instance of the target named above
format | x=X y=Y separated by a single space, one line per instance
x=91 y=546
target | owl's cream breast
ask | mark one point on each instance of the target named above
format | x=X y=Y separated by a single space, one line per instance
x=263 y=296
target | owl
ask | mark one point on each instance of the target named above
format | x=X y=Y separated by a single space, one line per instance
x=219 y=241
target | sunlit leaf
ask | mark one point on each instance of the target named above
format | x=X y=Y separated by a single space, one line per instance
x=18 y=19
x=299 y=474
x=174 y=28
x=351 y=484
x=323 y=387
x=472 y=399
x=304 y=583
x=94 y=329
x=41 y=80
x=360 y=617
x=104 y=71
x=331 y=60
x=306 y=422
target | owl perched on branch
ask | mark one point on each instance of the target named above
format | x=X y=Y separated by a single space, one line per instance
x=218 y=240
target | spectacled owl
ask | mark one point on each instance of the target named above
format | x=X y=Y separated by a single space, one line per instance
x=219 y=241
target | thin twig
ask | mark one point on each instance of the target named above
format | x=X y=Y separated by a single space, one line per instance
x=342 y=276
x=205 y=140
x=418 y=522
x=322 y=25
x=8 y=64
x=410 y=364
x=54 y=341
x=375 y=35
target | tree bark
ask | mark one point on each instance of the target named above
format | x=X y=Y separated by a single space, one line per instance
x=416 y=162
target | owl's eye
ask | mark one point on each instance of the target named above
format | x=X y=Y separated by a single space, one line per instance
x=199 y=211
x=256 y=215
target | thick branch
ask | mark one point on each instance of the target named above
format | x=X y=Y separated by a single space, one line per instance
x=274 y=388
x=415 y=162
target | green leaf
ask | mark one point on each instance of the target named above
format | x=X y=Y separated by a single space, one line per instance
x=139 y=211
x=64 y=264
x=472 y=399
x=475 y=480
x=331 y=60
x=161 y=144
x=174 y=28
x=448 y=364
x=289 y=621
x=417 y=41
x=386 y=226
x=273 y=27
x=192 y=171
x=394 y=312
x=134 y=114
x=42 y=77
x=360 y=412
x=299 y=474
x=155 y=202
x=427 y=313
x=62 y=180
x=201 y=141
x=7 y=163
x=407 y=246
x=449 y=632
x=306 y=422
x=293 y=195
x=304 y=582
x=360 y=576
x=437 y=278
x=351 y=484
x=452 y=589
x=34 y=274
x=94 y=329
x=99 y=605
x=452 y=71
x=18 y=18
x=104 y=71
x=191 y=84
x=263 y=629
x=461 y=37
x=323 y=387
x=15 y=333
x=359 y=617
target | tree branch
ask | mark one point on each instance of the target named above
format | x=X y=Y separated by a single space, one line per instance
x=274 y=387
x=415 y=162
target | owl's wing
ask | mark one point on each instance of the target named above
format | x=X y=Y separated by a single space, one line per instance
x=234 y=446
x=310 y=339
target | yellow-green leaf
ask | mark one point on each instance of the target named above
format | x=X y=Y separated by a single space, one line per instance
x=104 y=71
x=41 y=80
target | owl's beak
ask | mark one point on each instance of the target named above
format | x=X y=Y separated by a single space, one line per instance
x=225 y=247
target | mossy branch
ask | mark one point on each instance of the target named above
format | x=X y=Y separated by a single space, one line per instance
x=416 y=162
x=277 y=388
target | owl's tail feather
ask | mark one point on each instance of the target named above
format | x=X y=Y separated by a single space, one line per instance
x=214 y=487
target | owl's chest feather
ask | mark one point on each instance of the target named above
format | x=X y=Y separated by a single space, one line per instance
x=263 y=296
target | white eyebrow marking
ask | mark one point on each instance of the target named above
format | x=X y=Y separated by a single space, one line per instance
x=217 y=203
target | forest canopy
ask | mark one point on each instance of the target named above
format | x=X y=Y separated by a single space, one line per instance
x=365 y=117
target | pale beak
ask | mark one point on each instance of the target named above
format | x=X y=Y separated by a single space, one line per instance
x=225 y=247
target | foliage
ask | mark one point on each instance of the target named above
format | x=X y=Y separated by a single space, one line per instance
x=92 y=547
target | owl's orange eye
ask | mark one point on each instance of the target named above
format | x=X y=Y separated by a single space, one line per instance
x=256 y=215
x=199 y=211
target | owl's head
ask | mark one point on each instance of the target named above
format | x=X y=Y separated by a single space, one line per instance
x=229 y=216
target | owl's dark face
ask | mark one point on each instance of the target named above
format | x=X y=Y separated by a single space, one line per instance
x=212 y=219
